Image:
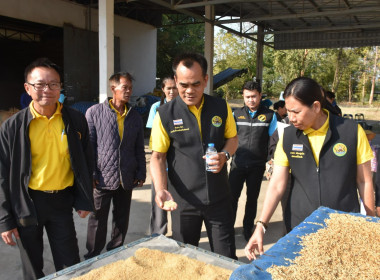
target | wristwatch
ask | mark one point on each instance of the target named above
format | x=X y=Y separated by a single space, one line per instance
x=227 y=154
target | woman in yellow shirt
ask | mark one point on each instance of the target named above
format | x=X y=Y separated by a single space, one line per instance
x=329 y=158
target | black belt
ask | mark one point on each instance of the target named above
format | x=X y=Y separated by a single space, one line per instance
x=53 y=191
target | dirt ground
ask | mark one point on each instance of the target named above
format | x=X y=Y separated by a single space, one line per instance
x=140 y=215
x=139 y=227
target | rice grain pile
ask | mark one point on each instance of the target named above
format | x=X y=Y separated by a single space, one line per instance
x=155 y=264
x=348 y=248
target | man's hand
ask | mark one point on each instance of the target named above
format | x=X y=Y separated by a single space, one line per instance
x=165 y=196
x=217 y=162
x=82 y=213
x=255 y=243
x=378 y=211
x=7 y=236
x=138 y=183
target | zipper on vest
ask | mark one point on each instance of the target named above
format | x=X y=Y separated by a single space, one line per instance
x=121 y=140
x=250 y=133
x=204 y=170
x=120 y=175
x=319 y=186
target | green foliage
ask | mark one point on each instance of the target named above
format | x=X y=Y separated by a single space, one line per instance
x=173 y=40
x=339 y=70
x=235 y=52
x=334 y=69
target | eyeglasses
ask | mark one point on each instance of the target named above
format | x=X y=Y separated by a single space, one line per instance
x=42 y=86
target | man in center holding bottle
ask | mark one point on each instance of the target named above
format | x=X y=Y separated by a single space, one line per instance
x=180 y=135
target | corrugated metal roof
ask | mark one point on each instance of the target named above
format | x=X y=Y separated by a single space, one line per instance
x=289 y=24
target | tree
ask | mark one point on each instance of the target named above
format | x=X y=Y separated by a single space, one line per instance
x=351 y=73
x=345 y=71
x=374 y=76
x=235 y=52
x=288 y=65
x=338 y=70
x=175 y=39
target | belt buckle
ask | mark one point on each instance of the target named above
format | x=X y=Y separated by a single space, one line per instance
x=50 y=191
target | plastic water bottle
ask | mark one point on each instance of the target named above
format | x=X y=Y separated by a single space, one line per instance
x=210 y=152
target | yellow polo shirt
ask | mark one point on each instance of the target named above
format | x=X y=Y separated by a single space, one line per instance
x=316 y=139
x=120 y=119
x=161 y=138
x=51 y=165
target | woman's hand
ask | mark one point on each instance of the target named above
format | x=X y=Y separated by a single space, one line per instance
x=255 y=243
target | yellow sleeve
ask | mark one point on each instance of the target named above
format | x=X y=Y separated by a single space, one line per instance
x=159 y=139
x=230 y=130
x=280 y=157
x=363 y=149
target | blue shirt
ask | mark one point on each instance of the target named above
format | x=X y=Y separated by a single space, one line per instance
x=272 y=125
x=152 y=113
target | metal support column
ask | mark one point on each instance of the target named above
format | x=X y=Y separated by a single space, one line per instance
x=106 y=47
x=259 y=55
x=209 y=47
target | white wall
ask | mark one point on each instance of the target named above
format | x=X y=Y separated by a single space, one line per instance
x=52 y=12
x=138 y=48
x=137 y=40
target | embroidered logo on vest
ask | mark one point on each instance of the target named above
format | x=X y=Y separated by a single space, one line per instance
x=216 y=121
x=262 y=118
x=339 y=149
x=241 y=117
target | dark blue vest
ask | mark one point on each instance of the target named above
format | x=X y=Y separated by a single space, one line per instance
x=253 y=136
x=186 y=167
x=333 y=183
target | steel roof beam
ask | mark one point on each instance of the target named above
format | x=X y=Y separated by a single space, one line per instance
x=230 y=30
x=323 y=29
x=301 y=41
x=213 y=2
x=349 y=6
x=169 y=6
x=312 y=2
x=307 y=15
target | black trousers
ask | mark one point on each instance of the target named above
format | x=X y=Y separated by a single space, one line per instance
x=158 y=217
x=253 y=178
x=218 y=218
x=97 y=222
x=54 y=212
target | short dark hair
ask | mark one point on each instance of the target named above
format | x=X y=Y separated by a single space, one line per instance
x=188 y=60
x=279 y=104
x=251 y=85
x=305 y=90
x=330 y=94
x=41 y=62
x=115 y=78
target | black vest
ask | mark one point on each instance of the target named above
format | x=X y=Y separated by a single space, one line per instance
x=333 y=183
x=253 y=136
x=186 y=167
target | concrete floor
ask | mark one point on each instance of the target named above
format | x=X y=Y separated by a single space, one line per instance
x=138 y=228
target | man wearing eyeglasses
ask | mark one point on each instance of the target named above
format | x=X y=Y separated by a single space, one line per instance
x=45 y=172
